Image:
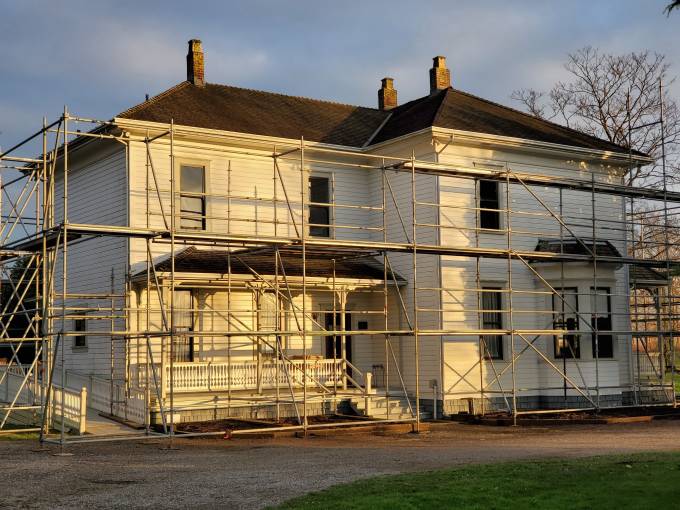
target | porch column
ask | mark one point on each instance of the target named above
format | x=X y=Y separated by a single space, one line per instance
x=342 y=295
x=259 y=298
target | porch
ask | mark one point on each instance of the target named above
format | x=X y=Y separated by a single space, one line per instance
x=251 y=376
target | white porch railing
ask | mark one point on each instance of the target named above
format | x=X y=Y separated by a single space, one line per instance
x=19 y=390
x=244 y=375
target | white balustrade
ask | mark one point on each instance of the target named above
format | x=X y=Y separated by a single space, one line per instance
x=243 y=375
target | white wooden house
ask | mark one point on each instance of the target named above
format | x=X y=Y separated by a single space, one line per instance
x=237 y=280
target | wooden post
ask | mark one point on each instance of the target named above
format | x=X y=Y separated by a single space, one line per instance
x=368 y=377
x=82 y=423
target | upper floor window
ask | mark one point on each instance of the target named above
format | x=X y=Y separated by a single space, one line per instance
x=319 y=206
x=565 y=312
x=192 y=197
x=492 y=318
x=601 y=323
x=489 y=205
x=79 y=325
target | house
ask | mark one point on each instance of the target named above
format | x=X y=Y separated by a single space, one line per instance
x=239 y=253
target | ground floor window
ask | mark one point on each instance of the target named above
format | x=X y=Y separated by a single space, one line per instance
x=183 y=319
x=565 y=313
x=267 y=320
x=492 y=318
x=601 y=321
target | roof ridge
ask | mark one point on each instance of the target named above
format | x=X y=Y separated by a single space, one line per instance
x=154 y=99
x=534 y=117
x=326 y=101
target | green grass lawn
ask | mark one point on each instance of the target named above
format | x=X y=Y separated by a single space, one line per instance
x=630 y=481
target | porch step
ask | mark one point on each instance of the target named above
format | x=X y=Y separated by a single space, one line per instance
x=379 y=405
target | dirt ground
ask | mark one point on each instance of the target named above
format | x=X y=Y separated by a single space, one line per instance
x=217 y=473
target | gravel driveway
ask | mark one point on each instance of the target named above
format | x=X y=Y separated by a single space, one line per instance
x=212 y=473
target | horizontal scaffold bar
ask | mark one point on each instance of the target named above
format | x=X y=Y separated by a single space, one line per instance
x=77 y=231
x=585 y=185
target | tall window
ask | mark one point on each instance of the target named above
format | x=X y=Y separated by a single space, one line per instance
x=192 y=197
x=492 y=318
x=184 y=325
x=267 y=320
x=489 y=204
x=319 y=207
x=565 y=308
x=78 y=326
x=601 y=321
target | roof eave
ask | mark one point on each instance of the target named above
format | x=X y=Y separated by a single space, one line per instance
x=539 y=146
x=281 y=144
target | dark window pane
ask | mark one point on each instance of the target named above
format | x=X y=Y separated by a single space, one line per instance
x=192 y=200
x=191 y=179
x=318 y=190
x=80 y=340
x=601 y=321
x=489 y=199
x=565 y=304
x=183 y=318
x=492 y=318
x=319 y=215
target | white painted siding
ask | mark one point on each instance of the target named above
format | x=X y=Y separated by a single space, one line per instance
x=529 y=221
x=97 y=194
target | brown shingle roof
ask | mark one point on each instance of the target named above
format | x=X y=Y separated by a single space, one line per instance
x=261 y=113
x=262 y=261
x=265 y=113
x=573 y=246
x=647 y=277
x=454 y=109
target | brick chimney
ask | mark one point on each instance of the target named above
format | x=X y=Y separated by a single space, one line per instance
x=387 y=95
x=440 y=76
x=195 y=66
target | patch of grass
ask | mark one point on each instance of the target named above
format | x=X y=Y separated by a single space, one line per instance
x=630 y=481
x=17 y=436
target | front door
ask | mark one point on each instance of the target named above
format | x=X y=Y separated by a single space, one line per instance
x=334 y=343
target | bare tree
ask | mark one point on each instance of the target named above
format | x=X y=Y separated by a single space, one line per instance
x=605 y=95
x=671 y=6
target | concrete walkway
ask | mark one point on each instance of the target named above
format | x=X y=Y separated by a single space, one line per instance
x=101 y=426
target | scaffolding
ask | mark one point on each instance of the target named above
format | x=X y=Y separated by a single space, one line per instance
x=396 y=232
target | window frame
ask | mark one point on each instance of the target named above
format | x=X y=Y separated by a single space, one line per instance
x=262 y=296
x=77 y=324
x=608 y=335
x=498 y=339
x=205 y=164
x=500 y=206
x=193 y=353
x=560 y=353
x=330 y=234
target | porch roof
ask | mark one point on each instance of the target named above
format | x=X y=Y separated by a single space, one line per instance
x=573 y=246
x=645 y=277
x=319 y=263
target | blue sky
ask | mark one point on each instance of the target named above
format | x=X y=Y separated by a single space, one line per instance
x=101 y=57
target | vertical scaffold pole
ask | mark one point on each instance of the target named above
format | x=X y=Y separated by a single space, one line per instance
x=173 y=226
x=303 y=237
x=416 y=347
x=594 y=296
x=64 y=276
x=508 y=226
x=386 y=371
x=669 y=292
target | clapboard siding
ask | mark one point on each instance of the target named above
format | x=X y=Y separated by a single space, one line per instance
x=97 y=194
x=529 y=221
